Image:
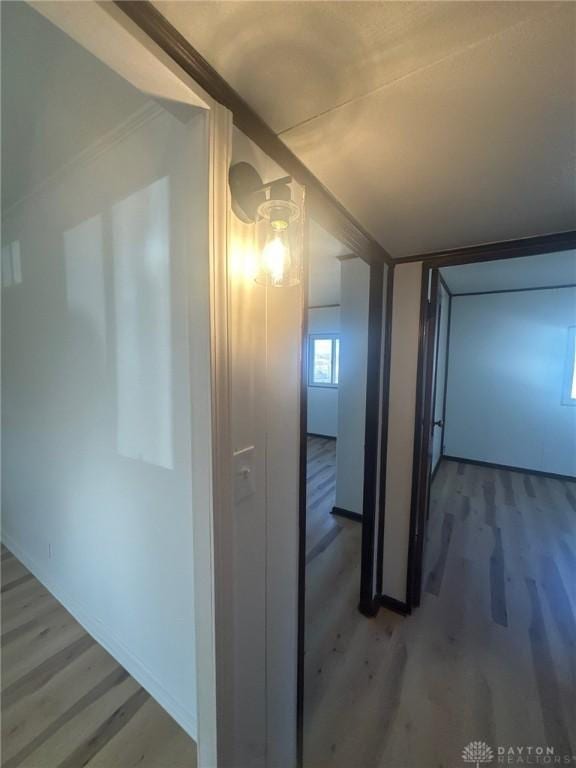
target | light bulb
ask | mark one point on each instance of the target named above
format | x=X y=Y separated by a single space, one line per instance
x=276 y=257
x=278 y=237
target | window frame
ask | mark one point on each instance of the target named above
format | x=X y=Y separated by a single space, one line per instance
x=335 y=339
x=569 y=368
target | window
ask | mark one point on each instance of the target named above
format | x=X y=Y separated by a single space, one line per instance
x=569 y=388
x=324 y=360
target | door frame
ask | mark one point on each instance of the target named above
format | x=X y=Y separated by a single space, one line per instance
x=445 y=307
x=378 y=369
x=448 y=325
x=435 y=384
x=421 y=468
x=431 y=263
x=367 y=605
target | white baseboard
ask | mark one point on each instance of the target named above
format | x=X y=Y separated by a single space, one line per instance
x=187 y=720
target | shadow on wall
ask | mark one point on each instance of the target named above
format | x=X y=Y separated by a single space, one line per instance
x=140 y=243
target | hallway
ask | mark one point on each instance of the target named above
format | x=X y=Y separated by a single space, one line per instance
x=489 y=655
x=66 y=703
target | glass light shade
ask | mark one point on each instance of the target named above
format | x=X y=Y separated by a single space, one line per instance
x=279 y=244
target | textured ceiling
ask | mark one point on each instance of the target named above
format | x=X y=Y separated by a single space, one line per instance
x=437 y=124
x=549 y=269
x=294 y=60
x=50 y=105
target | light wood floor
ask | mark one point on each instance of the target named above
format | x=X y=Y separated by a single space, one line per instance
x=321 y=526
x=65 y=702
x=490 y=653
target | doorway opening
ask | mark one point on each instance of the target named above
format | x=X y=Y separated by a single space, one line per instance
x=493 y=417
x=341 y=413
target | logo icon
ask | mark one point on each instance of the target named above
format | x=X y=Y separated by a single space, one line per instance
x=477 y=752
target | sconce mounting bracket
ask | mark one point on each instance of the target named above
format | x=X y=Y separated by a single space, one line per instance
x=247 y=190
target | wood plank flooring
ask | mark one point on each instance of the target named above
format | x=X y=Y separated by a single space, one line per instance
x=321 y=527
x=488 y=656
x=65 y=702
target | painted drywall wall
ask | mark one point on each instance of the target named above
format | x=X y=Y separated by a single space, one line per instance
x=355 y=280
x=323 y=266
x=440 y=374
x=265 y=347
x=98 y=487
x=505 y=376
x=403 y=369
x=34 y=54
x=323 y=401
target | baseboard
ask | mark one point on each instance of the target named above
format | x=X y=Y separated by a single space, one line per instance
x=134 y=666
x=369 y=609
x=523 y=470
x=317 y=434
x=393 y=605
x=339 y=512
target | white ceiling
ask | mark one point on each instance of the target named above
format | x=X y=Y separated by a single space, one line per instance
x=324 y=267
x=437 y=124
x=545 y=270
x=57 y=99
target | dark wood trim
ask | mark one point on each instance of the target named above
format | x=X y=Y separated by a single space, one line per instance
x=375 y=306
x=322 y=205
x=369 y=609
x=340 y=512
x=384 y=415
x=302 y=492
x=444 y=284
x=421 y=460
x=324 y=437
x=393 y=605
x=517 y=290
x=439 y=309
x=508 y=468
x=507 y=249
x=446 y=373
x=448 y=308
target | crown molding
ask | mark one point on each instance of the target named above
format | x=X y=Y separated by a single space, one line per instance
x=505 y=249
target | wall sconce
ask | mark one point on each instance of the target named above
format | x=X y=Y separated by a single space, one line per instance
x=278 y=224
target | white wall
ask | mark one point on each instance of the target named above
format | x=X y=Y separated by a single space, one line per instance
x=403 y=369
x=265 y=345
x=355 y=275
x=505 y=378
x=323 y=401
x=440 y=373
x=324 y=251
x=98 y=487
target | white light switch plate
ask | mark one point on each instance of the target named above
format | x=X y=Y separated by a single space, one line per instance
x=244 y=486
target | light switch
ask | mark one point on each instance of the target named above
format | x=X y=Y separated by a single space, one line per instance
x=244 y=486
